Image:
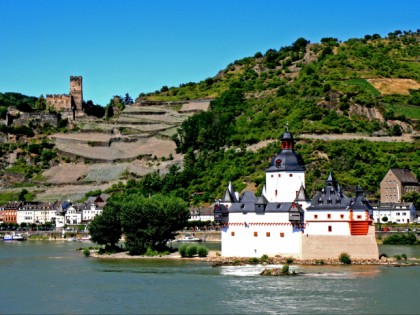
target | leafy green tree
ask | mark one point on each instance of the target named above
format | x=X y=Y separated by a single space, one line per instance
x=41 y=103
x=105 y=229
x=413 y=197
x=150 y=222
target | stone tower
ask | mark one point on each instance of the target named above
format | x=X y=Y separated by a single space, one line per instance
x=76 y=92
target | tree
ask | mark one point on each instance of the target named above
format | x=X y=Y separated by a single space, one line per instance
x=127 y=99
x=413 y=197
x=105 y=229
x=149 y=222
x=41 y=103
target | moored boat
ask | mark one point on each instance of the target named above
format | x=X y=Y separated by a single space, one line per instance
x=13 y=237
x=189 y=238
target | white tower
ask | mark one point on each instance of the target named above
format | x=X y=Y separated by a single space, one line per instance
x=286 y=173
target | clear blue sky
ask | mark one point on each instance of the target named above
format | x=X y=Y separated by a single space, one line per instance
x=138 y=46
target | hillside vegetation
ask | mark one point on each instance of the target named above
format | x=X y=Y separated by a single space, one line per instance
x=368 y=86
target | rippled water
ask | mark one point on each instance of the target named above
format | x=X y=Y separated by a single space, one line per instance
x=51 y=278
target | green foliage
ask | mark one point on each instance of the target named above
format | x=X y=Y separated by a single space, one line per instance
x=17 y=100
x=86 y=252
x=202 y=251
x=264 y=258
x=344 y=258
x=183 y=250
x=285 y=269
x=191 y=250
x=106 y=229
x=401 y=239
x=148 y=222
x=289 y=260
x=404 y=256
x=253 y=260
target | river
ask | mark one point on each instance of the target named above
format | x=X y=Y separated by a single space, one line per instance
x=47 y=277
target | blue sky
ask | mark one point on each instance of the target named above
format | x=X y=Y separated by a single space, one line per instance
x=139 y=46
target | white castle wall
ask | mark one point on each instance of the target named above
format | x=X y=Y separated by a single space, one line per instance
x=283 y=186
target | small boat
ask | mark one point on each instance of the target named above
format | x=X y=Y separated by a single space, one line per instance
x=84 y=238
x=189 y=238
x=14 y=237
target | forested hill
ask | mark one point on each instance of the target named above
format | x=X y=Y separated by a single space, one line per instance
x=368 y=85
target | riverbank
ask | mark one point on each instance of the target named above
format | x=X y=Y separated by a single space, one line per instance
x=217 y=260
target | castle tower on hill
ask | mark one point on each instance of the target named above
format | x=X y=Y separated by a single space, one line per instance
x=76 y=91
x=68 y=102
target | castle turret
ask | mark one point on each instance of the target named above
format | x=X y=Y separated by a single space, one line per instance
x=76 y=91
x=286 y=173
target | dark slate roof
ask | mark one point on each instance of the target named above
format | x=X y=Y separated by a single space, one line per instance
x=271 y=207
x=248 y=197
x=405 y=176
x=229 y=195
x=287 y=159
x=331 y=197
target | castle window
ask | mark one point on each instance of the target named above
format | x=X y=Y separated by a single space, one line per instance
x=342 y=216
x=232 y=233
x=275 y=192
x=255 y=234
x=272 y=175
x=329 y=228
x=279 y=175
x=281 y=234
x=359 y=216
x=267 y=234
x=329 y=216
x=315 y=216
x=290 y=175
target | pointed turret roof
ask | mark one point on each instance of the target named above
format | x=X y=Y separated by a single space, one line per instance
x=301 y=195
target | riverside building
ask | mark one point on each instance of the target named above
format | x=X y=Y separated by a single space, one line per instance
x=284 y=221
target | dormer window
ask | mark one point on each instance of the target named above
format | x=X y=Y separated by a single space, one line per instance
x=278 y=163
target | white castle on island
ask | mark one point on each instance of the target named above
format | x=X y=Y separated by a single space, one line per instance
x=284 y=221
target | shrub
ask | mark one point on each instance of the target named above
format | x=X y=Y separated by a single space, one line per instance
x=289 y=260
x=344 y=258
x=253 y=260
x=202 y=251
x=86 y=252
x=183 y=250
x=151 y=252
x=264 y=258
x=191 y=250
x=404 y=256
x=397 y=257
x=285 y=268
x=320 y=262
x=383 y=255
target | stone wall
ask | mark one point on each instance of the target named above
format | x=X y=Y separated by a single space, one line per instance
x=59 y=101
x=323 y=247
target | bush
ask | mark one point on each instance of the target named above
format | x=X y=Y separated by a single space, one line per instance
x=254 y=260
x=191 y=250
x=320 y=262
x=183 y=250
x=344 y=258
x=404 y=256
x=86 y=252
x=202 y=251
x=401 y=239
x=397 y=257
x=285 y=268
x=264 y=258
x=289 y=260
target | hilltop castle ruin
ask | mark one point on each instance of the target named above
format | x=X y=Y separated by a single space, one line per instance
x=71 y=101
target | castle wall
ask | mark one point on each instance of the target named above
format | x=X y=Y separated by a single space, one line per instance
x=326 y=246
x=59 y=101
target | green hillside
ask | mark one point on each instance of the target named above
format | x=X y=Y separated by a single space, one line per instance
x=315 y=88
x=368 y=86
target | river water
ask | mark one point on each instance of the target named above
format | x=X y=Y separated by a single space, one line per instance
x=47 y=277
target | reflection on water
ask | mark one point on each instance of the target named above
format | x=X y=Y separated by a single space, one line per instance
x=54 y=279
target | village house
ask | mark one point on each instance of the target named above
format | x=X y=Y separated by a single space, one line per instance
x=400 y=212
x=396 y=183
x=201 y=214
x=284 y=221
